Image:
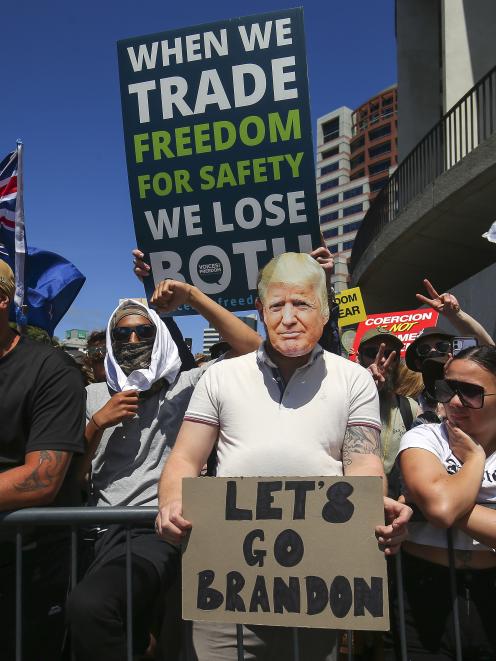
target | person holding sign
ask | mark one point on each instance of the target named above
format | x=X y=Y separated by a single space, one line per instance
x=449 y=472
x=290 y=408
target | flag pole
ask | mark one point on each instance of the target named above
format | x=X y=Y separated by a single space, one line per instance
x=20 y=245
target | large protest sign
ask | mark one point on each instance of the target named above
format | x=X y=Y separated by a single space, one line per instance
x=285 y=551
x=406 y=325
x=219 y=151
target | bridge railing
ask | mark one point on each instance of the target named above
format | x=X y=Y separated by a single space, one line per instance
x=461 y=130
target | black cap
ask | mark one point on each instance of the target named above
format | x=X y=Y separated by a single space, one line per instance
x=411 y=356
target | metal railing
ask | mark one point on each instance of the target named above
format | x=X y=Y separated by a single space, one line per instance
x=75 y=518
x=463 y=128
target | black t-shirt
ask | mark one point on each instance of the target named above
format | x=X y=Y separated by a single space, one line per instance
x=42 y=407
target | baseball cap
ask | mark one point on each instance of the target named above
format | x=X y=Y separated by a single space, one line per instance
x=411 y=356
x=7 y=283
x=381 y=334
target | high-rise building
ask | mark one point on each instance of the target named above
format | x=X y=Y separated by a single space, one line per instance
x=356 y=152
x=211 y=336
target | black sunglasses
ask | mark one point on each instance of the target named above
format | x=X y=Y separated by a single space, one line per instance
x=143 y=331
x=424 y=349
x=371 y=352
x=470 y=395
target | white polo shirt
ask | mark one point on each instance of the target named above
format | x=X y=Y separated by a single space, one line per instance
x=266 y=429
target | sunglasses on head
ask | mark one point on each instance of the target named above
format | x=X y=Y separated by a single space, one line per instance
x=371 y=352
x=443 y=346
x=143 y=331
x=97 y=353
x=470 y=395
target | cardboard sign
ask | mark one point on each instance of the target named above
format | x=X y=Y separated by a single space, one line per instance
x=406 y=325
x=351 y=307
x=293 y=552
x=219 y=151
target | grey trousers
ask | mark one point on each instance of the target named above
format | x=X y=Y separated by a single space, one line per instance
x=218 y=642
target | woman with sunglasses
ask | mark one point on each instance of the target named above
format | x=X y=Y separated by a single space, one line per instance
x=447 y=469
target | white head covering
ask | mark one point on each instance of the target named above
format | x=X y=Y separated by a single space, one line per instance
x=165 y=362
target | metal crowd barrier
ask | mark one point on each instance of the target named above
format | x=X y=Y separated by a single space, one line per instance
x=78 y=517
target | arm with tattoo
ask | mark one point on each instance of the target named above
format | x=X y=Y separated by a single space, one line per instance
x=360 y=440
x=36 y=482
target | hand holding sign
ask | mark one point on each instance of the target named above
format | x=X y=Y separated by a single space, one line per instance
x=395 y=531
x=141 y=268
x=445 y=303
x=381 y=366
x=170 y=523
x=325 y=259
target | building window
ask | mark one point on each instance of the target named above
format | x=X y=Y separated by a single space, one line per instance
x=332 y=167
x=379 y=132
x=352 y=192
x=379 y=167
x=356 y=144
x=81 y=335
x=330 y=152
x=327 y=217
x=387 y=101
x=347 y=245
x=329 y=184
x=330 y=129
x=355 y=208
x=327 y=201
x=68 y=335
x=328 y=234
x=383 y=148
x=359 y=158
x=357 y=175
x=378 y=184
x=352 y=227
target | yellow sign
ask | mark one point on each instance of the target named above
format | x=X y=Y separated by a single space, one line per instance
x=351 y=307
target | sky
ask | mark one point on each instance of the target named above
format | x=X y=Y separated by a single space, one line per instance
x=60 y=96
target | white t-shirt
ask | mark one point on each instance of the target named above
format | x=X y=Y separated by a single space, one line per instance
x=434 y=438
x=266 y=429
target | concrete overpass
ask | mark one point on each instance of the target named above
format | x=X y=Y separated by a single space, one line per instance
x=429 y=219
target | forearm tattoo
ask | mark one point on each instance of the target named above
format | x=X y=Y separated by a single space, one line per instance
x=360 y=440
x=44 y=474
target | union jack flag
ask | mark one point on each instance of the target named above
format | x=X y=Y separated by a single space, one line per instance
x=12 y=234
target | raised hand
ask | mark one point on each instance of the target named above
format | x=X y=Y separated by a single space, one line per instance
x=141 y=268
x=445 y=303
x=381 y=366
x=324 y=257
x=170 y=294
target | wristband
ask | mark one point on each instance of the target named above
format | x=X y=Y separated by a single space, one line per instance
x=95 y=423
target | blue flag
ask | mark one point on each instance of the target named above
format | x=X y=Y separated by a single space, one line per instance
x=52 y=284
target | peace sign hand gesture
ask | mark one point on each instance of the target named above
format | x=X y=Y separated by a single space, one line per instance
x=444 y=303
x=381 y=366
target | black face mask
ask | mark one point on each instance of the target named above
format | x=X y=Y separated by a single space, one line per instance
x=133 y=355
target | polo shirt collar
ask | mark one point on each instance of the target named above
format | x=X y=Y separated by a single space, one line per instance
x=263 y=356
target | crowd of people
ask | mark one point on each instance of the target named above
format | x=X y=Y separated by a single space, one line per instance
x=141 y=415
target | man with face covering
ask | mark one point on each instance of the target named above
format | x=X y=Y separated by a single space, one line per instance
x=132 y=422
